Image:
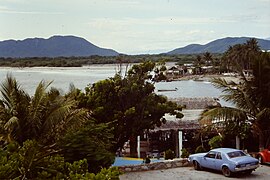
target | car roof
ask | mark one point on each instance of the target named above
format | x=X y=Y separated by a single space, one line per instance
x=225 y=150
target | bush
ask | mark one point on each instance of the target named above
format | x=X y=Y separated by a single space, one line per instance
x=169 y=154
x=92 y=142
x=200 y=149
x=215 y=142
x=30 y=161
x=185 y=153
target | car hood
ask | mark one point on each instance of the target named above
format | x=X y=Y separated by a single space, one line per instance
x=244 y=160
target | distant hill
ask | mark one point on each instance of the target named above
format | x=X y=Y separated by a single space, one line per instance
x=218 y=46
x=55 y=46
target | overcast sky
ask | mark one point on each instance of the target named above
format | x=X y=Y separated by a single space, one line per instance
x=136 y=26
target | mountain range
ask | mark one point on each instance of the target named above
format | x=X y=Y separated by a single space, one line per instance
x=67 y=46
x=54 y=46
x=218 y=46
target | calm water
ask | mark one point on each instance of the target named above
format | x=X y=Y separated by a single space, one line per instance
x=82 y=76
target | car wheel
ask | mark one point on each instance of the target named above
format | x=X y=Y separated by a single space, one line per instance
x=226 y=171
x=196 y=165
x=260 y=158
x=249 y=172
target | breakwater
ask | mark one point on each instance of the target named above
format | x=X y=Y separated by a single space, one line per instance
x=196 y=103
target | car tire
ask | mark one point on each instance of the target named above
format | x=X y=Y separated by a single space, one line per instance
x=248 y=172
x=226 y=171
x=197 y=165
x=260 y=158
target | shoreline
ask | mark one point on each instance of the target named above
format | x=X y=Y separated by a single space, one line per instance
x=205 y=77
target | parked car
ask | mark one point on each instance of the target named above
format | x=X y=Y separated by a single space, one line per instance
x=264 y=156
x=227 y=160
x=155 y=154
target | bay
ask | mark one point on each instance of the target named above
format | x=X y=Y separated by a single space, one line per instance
x=29 y=78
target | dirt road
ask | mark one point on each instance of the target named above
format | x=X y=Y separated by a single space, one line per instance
x=188 y=173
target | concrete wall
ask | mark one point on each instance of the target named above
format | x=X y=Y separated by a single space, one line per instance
x=167 y=164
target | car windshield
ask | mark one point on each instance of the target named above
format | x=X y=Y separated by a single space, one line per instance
x=236 y=154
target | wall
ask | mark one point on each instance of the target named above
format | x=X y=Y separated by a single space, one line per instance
x=167 y=164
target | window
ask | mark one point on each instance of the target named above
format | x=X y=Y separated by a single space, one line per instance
x=236 y=154
x=211 y=154
x=219 y=156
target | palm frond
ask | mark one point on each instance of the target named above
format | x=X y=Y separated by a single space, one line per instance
x=223 y=114
x=12 y=122
x=38 y=106
x=237 y=93
x=57 y=113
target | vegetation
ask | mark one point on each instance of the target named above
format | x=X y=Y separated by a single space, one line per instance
x=185 y=153
x=30 y=161
x=169 y=154
x=250 y=96
x=82 y=61
x=200 y=149
x=215 y=142
x=128 y=104
x=72 y=136
x=37 y=131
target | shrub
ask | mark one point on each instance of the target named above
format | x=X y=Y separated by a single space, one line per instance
x=30 y=161
x=215 y=142
x=200 y=149
x=185 y=153
x=169 y=154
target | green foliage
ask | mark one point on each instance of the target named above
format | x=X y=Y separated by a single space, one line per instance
x=42 y=117
x=169 y=154
x=200 y=149
x=31 y=161
x=250 y=96
x=215 y=142
x=185 y=153
x=128 y=103
x=37 y=128
x=82 y=61
x=92 y=142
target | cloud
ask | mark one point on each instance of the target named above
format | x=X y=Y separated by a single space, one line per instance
x=161 y=21
x=136 y=35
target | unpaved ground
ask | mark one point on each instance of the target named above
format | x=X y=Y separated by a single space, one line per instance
x=188 y=173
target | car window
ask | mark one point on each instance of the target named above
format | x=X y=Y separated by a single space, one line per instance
x=236 y=154
x=219 y=156
x=211 y=154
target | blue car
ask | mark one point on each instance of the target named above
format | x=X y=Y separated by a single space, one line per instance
x=227 y=160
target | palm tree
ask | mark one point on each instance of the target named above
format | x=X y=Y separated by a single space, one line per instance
x=43 y=117
x=207 y=57
x=251 y=99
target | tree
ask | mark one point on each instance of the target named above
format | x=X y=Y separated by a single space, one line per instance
x=239 y=57
x=129 y=104
x=44 y=127
x=198 y=64
x=31 y=161
x=91 y=142
x=207 y=57
x=251 y=99
x=43 y=117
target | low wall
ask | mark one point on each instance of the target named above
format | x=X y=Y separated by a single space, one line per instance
x=167 y=164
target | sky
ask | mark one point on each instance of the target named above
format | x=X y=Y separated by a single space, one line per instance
x=136 y=26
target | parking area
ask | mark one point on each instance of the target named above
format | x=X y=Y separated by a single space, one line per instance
x=188 y=173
